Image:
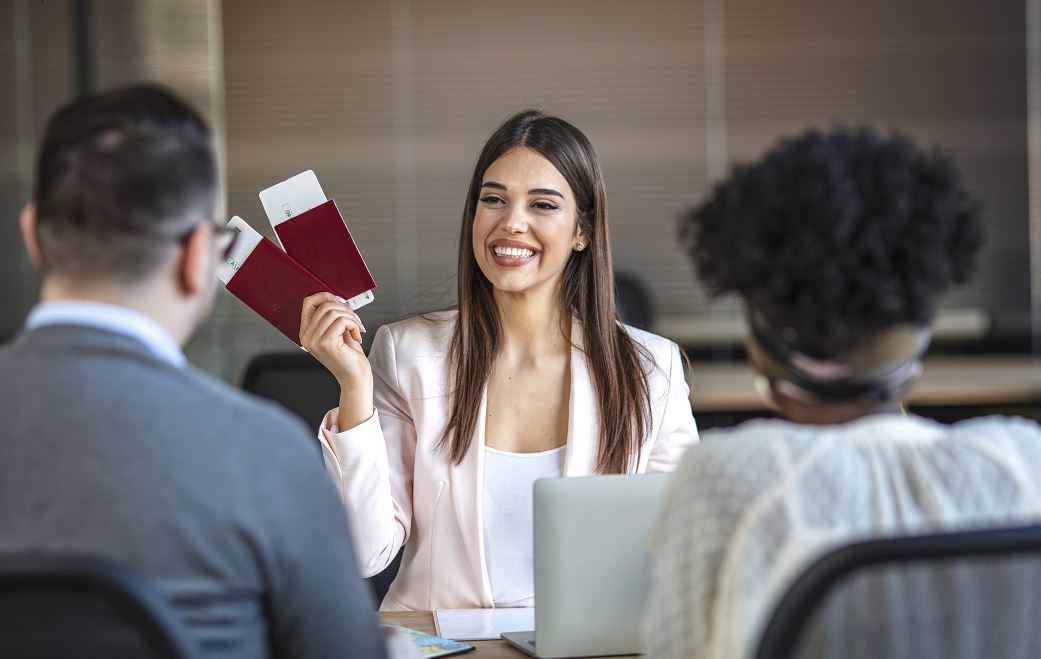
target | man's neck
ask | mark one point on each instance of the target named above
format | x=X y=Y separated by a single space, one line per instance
x=137 y=298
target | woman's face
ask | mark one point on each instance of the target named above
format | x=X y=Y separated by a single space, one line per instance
x=526 y=224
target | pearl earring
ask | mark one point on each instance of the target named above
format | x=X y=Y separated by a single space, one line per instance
x=579 y=247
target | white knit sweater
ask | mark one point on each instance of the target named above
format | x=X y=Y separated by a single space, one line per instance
x=752 y=506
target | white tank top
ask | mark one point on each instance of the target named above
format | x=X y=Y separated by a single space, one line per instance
x=509 y=520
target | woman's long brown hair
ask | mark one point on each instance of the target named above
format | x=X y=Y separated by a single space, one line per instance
x=617 y=363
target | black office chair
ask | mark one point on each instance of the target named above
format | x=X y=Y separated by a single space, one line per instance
x=303 y=386
x=950 y=595
x=295 y=380
x=73 y=605
x=632 y=301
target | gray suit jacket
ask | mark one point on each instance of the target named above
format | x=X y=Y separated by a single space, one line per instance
x=220 y=498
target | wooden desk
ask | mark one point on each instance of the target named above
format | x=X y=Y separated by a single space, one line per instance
x=946 y=381
x=424 y=622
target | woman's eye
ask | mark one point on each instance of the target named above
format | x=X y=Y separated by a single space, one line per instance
x=544 y=206
x=492 y=199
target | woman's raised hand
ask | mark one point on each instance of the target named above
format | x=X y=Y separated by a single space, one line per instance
x=331 y=331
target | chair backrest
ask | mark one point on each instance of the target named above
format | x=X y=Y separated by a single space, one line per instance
x=951 y=595
x=297 y=381
x=632 y=301
x=64 y=605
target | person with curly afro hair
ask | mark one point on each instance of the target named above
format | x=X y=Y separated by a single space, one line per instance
x=839 y=244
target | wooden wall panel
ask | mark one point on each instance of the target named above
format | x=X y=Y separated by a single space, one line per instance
x=947 y=73
x=390 y=100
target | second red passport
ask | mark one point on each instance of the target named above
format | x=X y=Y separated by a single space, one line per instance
x=274 y=285
x=320 y=241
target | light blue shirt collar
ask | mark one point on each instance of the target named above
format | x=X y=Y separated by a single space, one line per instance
x=112 y=318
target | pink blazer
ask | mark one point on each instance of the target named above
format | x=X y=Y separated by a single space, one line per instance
x=400 y=490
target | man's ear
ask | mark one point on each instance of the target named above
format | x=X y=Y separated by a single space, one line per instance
x=27 y=224
x=193 y=267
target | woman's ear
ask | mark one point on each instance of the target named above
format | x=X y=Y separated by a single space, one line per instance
x=193 y=268
x=27 y=224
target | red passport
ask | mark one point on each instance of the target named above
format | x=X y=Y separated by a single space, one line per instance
x=268 y=280
x=319 y=240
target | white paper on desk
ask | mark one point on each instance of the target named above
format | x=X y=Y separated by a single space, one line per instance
x=482 y=624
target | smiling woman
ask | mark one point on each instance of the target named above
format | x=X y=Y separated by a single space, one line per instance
x=520 y=198
x=442 y=430
x=515 y=226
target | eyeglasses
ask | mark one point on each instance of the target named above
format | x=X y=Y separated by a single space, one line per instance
x=225 y=238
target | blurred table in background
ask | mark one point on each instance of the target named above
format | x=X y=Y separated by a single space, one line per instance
x=730 y=328
x=970 y=381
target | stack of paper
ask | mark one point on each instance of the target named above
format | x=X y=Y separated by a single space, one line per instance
x=482 y=624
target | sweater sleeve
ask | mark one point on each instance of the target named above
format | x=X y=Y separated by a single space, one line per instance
x=701 y=577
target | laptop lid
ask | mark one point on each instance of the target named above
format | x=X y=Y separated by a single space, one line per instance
x=592 y=566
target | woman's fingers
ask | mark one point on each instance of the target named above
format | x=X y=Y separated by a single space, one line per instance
x=338 y=308
x=311 y=305
x=326 y=316
x=316 y=305
x=334 y=333
x=342 y=332
x=349 y=313
x=331 y=332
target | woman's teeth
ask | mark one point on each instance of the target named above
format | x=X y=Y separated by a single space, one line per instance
x=514 y=252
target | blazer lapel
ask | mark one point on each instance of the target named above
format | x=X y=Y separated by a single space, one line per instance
x=583 y=431
x=468 y=500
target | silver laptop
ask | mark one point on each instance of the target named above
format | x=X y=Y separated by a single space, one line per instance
x=592 y=568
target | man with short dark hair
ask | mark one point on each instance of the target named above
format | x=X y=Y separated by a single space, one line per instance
x=111 y=444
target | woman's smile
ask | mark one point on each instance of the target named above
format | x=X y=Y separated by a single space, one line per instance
x=512 y=253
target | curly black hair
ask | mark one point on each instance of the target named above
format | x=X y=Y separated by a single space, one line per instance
x=833 y=236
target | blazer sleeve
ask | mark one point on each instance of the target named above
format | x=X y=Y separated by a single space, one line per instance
x=372 y=464
x=676 y=431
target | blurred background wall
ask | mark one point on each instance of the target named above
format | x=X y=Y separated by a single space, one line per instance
x=389 y=102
